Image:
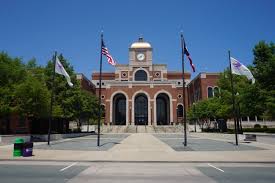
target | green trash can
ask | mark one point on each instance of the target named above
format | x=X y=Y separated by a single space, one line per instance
x=18 y=147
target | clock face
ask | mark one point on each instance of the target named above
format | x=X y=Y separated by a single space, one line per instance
x=140 y=56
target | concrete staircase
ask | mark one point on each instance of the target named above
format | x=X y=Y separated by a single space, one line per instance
x=141 y=129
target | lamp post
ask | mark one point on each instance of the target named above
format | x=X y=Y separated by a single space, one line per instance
x=239 y=126
x=195 y=117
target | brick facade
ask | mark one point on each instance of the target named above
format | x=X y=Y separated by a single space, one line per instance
x=198 y=87
x=161 y=89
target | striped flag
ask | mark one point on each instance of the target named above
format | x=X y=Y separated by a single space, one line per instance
x=186 y=52
x=104 y=51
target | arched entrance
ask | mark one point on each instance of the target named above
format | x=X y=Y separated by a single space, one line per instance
x=119 y=109
x=163 y=109
x=141 y=109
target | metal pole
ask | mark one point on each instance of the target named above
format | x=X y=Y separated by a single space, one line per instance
x=233 y=99
x=183 y=89
x=239 y=118
x=52 y=99
x=99 y=93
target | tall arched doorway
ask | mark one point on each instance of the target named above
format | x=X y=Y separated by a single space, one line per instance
x=163 y=109
x=119 y=109
x=141 y=110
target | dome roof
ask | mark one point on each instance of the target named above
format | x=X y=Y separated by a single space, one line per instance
x=141 y=44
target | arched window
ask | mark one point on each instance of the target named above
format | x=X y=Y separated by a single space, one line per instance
x=141 y=75
x=163 y=109
x=216 y=91
x=180 y=111
x=102 y=111
x=210 y=92
x=119 y=108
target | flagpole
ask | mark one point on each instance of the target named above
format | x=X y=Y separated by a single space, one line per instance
x=99 y=93
x=183 y=90
x=233 y=99
x=52 y=99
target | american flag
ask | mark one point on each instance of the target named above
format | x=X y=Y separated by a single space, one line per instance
x=186 y=52
x=104 y=51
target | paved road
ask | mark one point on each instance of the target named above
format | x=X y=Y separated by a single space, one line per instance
x=73 y=172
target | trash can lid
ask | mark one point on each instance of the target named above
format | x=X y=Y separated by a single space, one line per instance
x=19 y=140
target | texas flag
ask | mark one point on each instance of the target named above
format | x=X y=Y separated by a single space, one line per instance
x=240 y=69
x=61 y=70
x=186 y=52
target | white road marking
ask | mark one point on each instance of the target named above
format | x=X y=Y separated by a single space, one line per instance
x=215 y=167
x=68 y=167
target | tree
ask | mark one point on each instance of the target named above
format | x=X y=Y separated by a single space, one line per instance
x=85 y=106
x=264 y=72
x=32 y=98
x=12 y=73
x=63 y=94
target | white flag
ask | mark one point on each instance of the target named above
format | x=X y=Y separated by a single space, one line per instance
x=240 y=69
x=60 y=70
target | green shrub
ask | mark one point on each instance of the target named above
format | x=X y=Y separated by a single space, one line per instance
x=257 y=126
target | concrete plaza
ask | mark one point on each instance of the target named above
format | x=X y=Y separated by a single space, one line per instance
x=143 y=157
x=144 y=147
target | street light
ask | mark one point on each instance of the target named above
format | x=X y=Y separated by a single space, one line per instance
x=195 y=117
x=239 y=125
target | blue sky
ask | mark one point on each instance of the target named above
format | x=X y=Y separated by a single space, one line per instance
x=36 y=28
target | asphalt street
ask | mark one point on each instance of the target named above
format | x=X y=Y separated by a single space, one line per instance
x=76 y=172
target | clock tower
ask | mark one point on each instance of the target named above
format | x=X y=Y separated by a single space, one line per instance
x=140 y=53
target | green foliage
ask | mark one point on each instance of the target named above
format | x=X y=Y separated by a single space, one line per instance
x=257 y=126
x=32 y=98
x=213 y=108
x=253 y=99
x=264 y=61
x=26 y=90
x=264 y=72
x=12 y=72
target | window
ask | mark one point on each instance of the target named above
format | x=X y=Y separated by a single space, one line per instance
x=216 y=92
x=180 y=111
x=157 y=74
x=141 y=75
x=210 y=92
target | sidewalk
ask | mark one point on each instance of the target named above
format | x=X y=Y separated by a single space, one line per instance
x=146 y=147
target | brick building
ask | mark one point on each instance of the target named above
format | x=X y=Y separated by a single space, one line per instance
x=141 y=92
x=202 y=87
x=85 y=83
